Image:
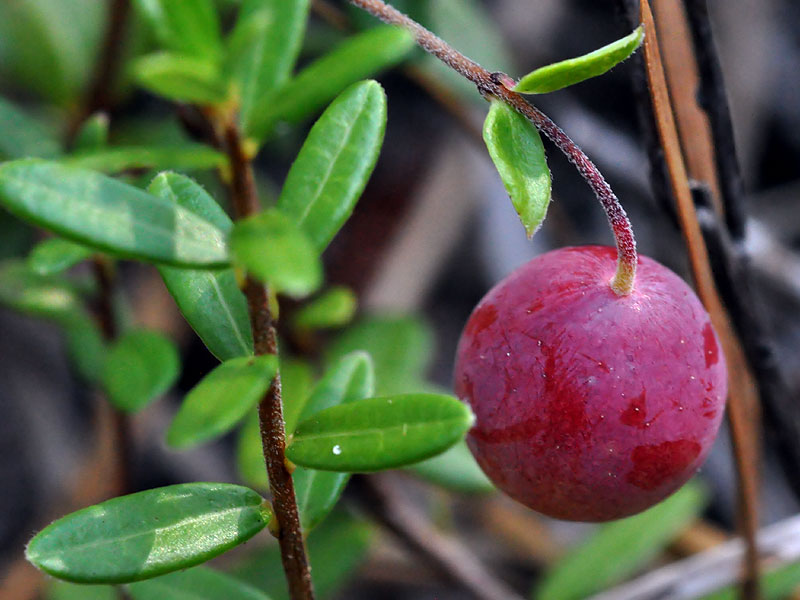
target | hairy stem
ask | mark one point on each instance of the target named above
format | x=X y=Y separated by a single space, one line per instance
x=496 y=85
x=270 y=409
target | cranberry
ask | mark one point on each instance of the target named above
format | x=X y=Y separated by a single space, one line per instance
x=590 y=405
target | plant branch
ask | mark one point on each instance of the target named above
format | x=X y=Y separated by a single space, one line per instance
x=270 y=409
x=743 y=396
x=383 y=498
x=496 y=86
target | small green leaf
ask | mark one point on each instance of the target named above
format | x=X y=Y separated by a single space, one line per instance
x=140 y=366
x=210 y=300
x=104 y=213
x=181 y=78
x=349 y=380
x=335 y=550
x=23 y=136
x=149 y=533
x=221 y=399
x=574 y=70
x=56 y=255
x=359 y=56
x=186 y=26
x=263 y=48
x=273 y=249
x=400 y=347
x=455 y=469
x=125 y=158
x=518 y=154
x=297 y=381
x=250 y=454
x=779 y=584
x=379 y=433
x=199 y=583
x=336 y=160
x=85 y=346
x=62 y=590
x=620 y=548
x=93 y=134
x=50 y=297
x=334 y=308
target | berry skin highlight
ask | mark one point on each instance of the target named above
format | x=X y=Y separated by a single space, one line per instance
x=590 y=405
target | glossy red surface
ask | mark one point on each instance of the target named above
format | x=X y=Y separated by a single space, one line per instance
x=590 y=406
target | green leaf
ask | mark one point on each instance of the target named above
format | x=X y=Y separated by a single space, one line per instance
x=23 y=136
x=335 y=549
x=149 y=533
x=349 y=380
x=85 y=346
x=250 y=454
x=62 y=590
x=56 y=255
x=400 y=347
x=379 y=433
x=263 y=49
x=199 y=583
x=93 y=134
x=210 y=301
x=186 y=26
x=297 y=381
x=334 y=308
x=125 y=158
x=141 y=366
x=455 y=469
x=569 y=72
x=356 y=58
x=620 y=548
x=104 y=213
x=181 y=78
x=50 y=297
x=518 y=154
x=221 y=399
x=272 y=248
x=336 y=160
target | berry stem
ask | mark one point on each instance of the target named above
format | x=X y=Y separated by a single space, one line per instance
x=495 y=85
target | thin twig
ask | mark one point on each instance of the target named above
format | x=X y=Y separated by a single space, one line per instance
x=742 y=390
x=497 y=86
x=270 y=410
x=383 y=497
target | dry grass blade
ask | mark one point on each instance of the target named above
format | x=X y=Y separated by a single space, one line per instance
x=742 y=405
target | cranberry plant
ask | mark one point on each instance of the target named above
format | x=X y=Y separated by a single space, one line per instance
x=300 y=438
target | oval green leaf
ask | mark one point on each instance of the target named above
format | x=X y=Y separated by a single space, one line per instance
x=149 y=533
x=124 y=158
x=86 y=346
x=379 y=433
x=23 y=136
x=400 y=347
x=620 y=548
x=334 y=308
x=574 y=70
x=93 y=134
x=210 y=300
x=51 y=297
x=55 y=255
x=104 y=213
x=141 y=366
x=518 y=154
x=221 y=399
x=277 y=252
x=187 y=26
x=349 y=380
x=181 y=78
x=336 y=160
x=456 y=470
x=263 y=48
x=359 y=56
x=297 y=381
x=199 y=583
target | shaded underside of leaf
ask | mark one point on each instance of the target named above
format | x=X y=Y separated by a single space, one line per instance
x=199 y=583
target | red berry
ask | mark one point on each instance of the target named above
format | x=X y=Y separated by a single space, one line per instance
x=590 y=406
